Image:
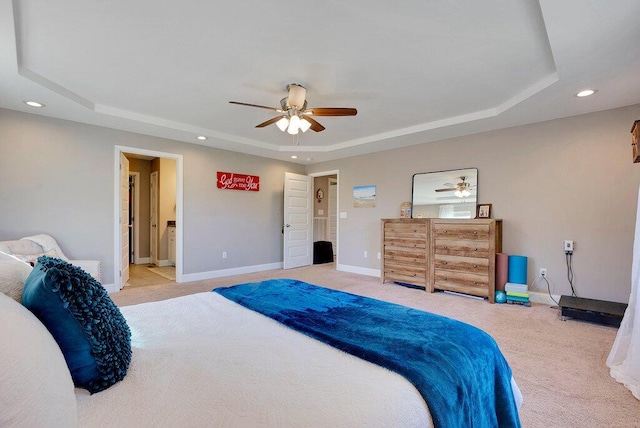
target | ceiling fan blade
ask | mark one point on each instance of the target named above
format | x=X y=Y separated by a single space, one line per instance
x=255 y=105
x=269 y=122
x=331 y=111
x=314 y=124
x=447 y=190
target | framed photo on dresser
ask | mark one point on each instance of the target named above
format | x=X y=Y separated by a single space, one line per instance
x=484 y=211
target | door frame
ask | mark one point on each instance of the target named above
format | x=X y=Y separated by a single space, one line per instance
x=335 y=172
x=117 y=256
x=153 y=217
x=331 y=207
x=136 y=213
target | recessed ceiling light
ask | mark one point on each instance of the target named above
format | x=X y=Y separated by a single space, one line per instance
x=34 y=104
x=201 y=137
x=294 y=157
x=586 y=93
x=309 y=159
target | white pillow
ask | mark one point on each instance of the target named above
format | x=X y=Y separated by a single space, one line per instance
x=28 y=258
x=35 y=384
x=13 y=274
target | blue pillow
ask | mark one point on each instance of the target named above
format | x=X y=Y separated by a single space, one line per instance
x=89 y=328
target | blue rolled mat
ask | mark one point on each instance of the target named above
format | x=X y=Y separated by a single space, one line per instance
x=518 y=269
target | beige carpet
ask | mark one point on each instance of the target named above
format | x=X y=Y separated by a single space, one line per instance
x=559 y=366
x=168 y=272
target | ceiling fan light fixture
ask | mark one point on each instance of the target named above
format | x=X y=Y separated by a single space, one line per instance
x=304 y=125
x=294 y=125
x=297 y=94
x=283 y=124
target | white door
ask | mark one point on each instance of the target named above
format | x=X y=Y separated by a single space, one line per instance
x=297 y=227
x=154 y=218
x=124 y=218
x=333 y=215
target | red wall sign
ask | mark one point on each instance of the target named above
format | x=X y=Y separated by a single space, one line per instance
x=230 y=180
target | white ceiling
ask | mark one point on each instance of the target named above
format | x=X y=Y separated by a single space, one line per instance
x=417 y=71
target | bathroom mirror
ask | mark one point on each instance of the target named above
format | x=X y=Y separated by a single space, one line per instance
x=445 y=194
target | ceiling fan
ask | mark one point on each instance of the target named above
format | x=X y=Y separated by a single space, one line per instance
x=295 y=115
x=461 y=189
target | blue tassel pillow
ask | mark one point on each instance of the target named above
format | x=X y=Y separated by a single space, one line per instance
x=89 y=328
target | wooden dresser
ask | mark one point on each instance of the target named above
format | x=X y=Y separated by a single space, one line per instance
x=405 y=251
x=440 y=254
x=463 y=256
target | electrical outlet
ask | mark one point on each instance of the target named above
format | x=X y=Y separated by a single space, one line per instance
x=378 y=255
x=568 y=246
x=365 y=255
x=224 y=254
x=543 y=272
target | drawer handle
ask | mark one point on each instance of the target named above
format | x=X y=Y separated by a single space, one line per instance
x=475 y=249
x=414 y=274
x=475 y=283
x=475 y=232
x=444 y=263
x=475 y=266
x=445 y=247
x=445 y=278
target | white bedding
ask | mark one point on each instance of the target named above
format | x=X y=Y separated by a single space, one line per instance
x=202 y=360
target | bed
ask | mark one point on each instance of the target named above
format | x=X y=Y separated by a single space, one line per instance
x=205 y=360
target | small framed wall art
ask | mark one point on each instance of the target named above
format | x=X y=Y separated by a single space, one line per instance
x=484 y=211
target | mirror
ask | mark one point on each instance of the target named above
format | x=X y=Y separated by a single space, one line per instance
x=443 y=194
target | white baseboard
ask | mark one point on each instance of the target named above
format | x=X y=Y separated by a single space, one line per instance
x=229 y=272
x=143 y=261
x=111 y=288
x=538 y=297
x=163 y=263
x=360 y=270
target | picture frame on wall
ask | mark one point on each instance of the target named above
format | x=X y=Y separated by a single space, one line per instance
x=484 y=211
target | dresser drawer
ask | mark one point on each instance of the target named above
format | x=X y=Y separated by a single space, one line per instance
x=461 y=231
x=469 y=283
x=463 y=248
x=400 y=230
x=405 y=257
x=473 y=265
x=411 y=245
x=405 y=274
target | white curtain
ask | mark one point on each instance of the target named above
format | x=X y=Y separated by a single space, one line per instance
x=624 y=358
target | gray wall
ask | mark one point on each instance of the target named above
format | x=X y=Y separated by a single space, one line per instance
x=571 y=178
x=57 y=177
x=564 y=179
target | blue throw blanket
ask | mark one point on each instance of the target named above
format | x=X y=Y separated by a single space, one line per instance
x=457 y=368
